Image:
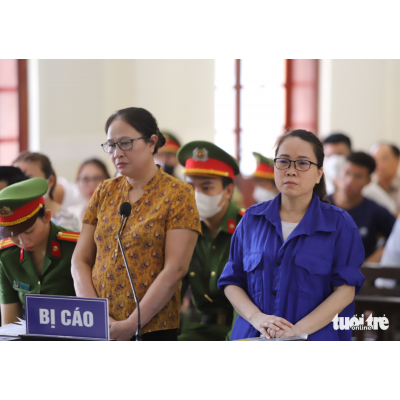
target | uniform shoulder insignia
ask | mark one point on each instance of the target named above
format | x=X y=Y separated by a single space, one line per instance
x=5 y=243
x=68 y=236
x=242 y=211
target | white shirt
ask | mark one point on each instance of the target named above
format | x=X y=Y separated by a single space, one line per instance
x=391 y=256
x=287 y=229
x=374 y=192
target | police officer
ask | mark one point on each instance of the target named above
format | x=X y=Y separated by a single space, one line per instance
x=35 y=254
x=210 y=170
x=263 y=178
x=166 y=155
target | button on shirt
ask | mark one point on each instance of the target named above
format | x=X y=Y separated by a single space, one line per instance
x=290 y=279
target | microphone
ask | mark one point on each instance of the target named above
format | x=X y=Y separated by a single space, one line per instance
x=125 y=210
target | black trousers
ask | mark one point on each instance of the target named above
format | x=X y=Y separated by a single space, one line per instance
x=166 y=335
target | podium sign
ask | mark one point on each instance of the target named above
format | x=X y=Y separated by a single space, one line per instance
x=65 y=316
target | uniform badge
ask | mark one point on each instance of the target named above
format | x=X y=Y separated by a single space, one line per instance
x=5 y=211
x=200 y=154
x=231 y=225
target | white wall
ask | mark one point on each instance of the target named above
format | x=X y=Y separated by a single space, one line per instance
x=75 y=97
x=361 y=98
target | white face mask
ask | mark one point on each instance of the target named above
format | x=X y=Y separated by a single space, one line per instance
x=208 y=205
x=261 y=194
x=332 y=166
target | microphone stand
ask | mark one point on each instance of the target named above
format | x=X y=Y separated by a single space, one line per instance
x=139 y=328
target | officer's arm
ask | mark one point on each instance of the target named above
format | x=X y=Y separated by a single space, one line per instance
x=10 y=312
x=83 y=260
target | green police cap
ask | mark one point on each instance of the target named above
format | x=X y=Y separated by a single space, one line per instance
x=19 y=205
x=265 y=167
x=206 y=159
x=171 y=145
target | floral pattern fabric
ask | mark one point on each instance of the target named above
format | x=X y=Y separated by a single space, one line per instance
x=166 y=204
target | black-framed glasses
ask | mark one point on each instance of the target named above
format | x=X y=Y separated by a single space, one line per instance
x=300 y=165
x=124 y=145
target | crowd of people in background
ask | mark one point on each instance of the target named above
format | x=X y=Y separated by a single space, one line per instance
x=365 y=185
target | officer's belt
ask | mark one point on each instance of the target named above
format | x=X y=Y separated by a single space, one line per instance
x=217 y=319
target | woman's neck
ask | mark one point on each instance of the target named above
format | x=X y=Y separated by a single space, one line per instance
x=293 y=208
x=143 y=177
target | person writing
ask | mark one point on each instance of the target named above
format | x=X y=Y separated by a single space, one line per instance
x=295 y=260
x=35 y=254
x=159 y=235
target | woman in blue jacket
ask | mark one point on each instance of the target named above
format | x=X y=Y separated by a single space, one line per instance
x=295 y=260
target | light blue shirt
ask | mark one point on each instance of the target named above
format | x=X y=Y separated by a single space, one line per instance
x=290 y=279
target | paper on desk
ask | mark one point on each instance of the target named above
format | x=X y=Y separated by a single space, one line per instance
x=262 y=338
x=15 y=329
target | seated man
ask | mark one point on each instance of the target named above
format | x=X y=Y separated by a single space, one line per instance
x=337 y=147
x=372 y=219
x=387 y=158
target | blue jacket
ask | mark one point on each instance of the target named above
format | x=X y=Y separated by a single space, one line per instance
x=290 y=279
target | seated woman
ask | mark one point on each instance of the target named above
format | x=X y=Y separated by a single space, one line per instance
x=158 y=237
x=90 y=174
x=35 y=254
x=295 y=260
x=36 y=165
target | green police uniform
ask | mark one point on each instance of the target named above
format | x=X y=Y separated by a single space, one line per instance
x=211 y=316
x=19 y=207
x=19 y=277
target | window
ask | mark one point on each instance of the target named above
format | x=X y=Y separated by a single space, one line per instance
x=13 y=109
x=256 y=101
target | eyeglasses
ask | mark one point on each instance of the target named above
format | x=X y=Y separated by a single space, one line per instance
x=300 y=165
x=124 y=145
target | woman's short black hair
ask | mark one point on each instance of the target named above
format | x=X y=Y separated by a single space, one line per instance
x=142 y=120
x=362 y=159
x=98 y=163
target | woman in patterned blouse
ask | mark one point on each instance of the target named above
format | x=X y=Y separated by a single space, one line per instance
x=158 y=237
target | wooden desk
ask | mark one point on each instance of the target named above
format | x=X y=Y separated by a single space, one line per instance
x=379 y=301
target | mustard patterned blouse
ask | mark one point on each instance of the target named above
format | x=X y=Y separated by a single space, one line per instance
x=166 y=204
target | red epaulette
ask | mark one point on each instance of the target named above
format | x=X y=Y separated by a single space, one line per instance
x=5 y=243
x=242 y=211
x=68 y=236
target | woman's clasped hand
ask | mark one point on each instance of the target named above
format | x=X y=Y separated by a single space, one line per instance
x=270 y=325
